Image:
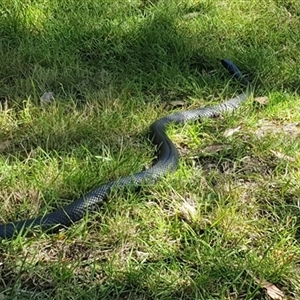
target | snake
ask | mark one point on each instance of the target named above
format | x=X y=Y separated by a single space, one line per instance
x=167 y=160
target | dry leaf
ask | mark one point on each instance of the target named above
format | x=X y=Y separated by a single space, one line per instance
x=262 y=100
x=188 y=211
x=283 y=156
x=47 y=97
x=142 y=256
x=273 y=291
x=177 y=103
x=231 y=131
x=215 y=148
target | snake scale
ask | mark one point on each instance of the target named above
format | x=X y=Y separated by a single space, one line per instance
x=167 y=161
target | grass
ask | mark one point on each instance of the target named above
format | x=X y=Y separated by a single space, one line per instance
x=227 y=220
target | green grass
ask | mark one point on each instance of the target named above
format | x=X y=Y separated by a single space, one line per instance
x=229 y=216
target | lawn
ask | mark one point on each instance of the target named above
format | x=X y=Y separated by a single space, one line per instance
x=225 y=225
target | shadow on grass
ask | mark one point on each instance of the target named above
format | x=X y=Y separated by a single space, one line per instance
x=75 y=60
x=215 y=278
x=155 y=55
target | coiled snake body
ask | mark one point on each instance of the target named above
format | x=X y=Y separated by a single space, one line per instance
x=167 y=162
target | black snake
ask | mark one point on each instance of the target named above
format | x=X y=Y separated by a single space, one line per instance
x=167 y=161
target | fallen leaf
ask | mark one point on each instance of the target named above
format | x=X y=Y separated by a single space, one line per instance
x=177 y=103
x=142 y=256
x=262 y=100
x=231 y=131
x=273 y=291
x=47 y=97
x=283 y=156
x=188 y=211
x=215 y=148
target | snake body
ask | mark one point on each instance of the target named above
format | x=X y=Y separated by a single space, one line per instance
x=167 y=161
